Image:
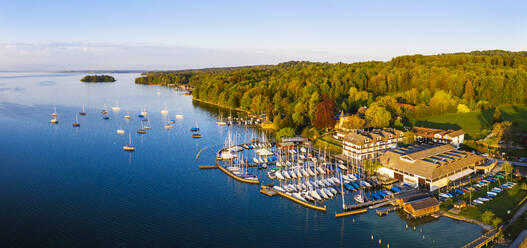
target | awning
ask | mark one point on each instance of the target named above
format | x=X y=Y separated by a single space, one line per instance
x=460 y=174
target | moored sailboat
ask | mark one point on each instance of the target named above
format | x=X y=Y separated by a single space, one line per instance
x=129 y=147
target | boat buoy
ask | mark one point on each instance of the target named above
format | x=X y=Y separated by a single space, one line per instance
x=353 y=220
x=423 y=236
x=388 y=245
x=406 y=226
x=379 y=241
x=372 y=237
x=420 y=229
x=414 y=228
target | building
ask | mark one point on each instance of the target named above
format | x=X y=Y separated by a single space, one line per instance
x=424 y=134
x=422 y=207
x=361 y=145
x=429 y=166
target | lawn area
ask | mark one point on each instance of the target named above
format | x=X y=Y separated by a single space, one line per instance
x=499 y=205
x=329 y=143
x=516 y=228
x=476 y=124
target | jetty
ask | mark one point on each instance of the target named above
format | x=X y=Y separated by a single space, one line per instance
x=208 y=166
x=303 y=203
x=348 y=213
x=386 y=211
x=243 y=180
x=484 y=239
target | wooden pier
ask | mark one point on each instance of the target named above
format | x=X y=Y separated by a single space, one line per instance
x=268 y=192
x=243 y=180
x=364 y=205
x=386 y=211
x=348 y=213
x=484 y=239
x=303 y=203
x=208 y=167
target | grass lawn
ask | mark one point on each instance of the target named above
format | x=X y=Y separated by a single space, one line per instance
x=516 y=228
x=477 y=124
x=499 y=205
x=329 y=143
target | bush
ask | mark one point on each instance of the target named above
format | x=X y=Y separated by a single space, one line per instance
x=497 y=221
x=487 y=217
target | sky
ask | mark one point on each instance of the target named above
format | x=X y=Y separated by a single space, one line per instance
x=40 y=35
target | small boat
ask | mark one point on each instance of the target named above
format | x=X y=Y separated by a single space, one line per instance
x=54 y=121
x=179 y=116
x=76 y=123
x=129 y=147
x=196 y=135
x=221 y=123
x=54 y=114
x=82 y=112
x=142 y=130
x=127 y=116
x=116 y=108
x=271 y=175
x=172 y=121
x=104 y=111
x=195 y=129
x=164 y=111
x=168 y=126
x=105 y=117
x=120 y=131
x=359 y=198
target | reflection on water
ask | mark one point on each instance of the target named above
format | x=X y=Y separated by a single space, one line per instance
x=69 y=187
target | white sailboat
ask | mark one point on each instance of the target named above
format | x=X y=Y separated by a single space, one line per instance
x=164 y=111
x=54 y=114
x=116 y=108
x=129 y=147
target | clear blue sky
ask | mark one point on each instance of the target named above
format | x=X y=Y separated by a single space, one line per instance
x=51 y=35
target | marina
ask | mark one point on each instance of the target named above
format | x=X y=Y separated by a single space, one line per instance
x=172 y=182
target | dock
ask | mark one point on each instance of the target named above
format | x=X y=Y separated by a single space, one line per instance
x=348 y=213
x=208 y=167
x=484 y=239
x=268 y=192
x=243 y=180
x=386 y=211
x=303 y=203
x=364 y=205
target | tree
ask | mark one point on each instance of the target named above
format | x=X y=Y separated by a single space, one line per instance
x=371 y=166
x=378 y=116
x=496 y=117
x=285 y=133
x=325 y=115
x=507 y=168
x=469 y=91
x=353 y=122
x=523 y=186
x=487 y=216
x=409 y=138
x=462 y=108
x=496 y=221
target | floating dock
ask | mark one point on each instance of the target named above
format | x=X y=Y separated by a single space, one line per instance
x=303 y=203
x=268 y=192
x=348 y=213
x=383 y=212
x=243 y=180
x=208 y=167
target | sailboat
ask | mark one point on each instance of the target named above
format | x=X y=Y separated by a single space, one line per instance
x=359 y=198
x=129 y=147
x=167 y=125
x=164 y=111
x=82 y=112
x=196 y=135
x=116 y=108
x=220 y=122
x=127 y=116
x=54 y=121
x=54 y=114
x=147 y=126
x=143 y=113
x=195 y=129
x=104 y=111
x=120 y=130
x=142 y=130
x=76 y=123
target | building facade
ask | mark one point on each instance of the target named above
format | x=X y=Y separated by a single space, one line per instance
x=438 y=136
x=429 y=166
x=360 y=145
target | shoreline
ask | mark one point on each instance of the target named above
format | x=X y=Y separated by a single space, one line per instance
x=221 y=106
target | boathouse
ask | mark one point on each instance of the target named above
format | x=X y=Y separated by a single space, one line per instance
x=439 y=136
x=428 y=166
x=422 y=207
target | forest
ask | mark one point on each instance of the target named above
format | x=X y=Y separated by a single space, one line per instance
x=97 y=78
x=300 y=94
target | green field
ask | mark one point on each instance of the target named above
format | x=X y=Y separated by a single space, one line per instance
x=477 y=124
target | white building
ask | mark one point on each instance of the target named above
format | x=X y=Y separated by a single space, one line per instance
x=361 y=145
x=424 y=134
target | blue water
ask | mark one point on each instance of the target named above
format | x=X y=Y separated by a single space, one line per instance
x=75 y=187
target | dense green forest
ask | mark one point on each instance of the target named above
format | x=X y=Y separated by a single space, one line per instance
x=97 y=78
x=300 y=94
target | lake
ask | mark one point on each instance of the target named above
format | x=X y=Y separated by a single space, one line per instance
x=75 y=187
